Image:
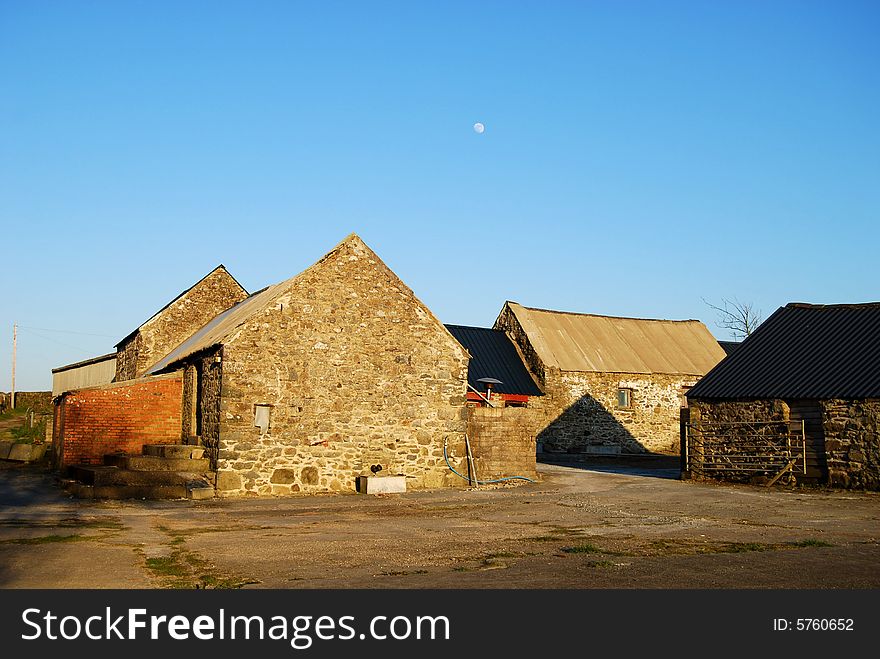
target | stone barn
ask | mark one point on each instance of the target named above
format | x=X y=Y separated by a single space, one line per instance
x=611 y=385
x=799 y=399
x=336 y=373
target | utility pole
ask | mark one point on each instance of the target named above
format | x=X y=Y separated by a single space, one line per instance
x=14 y=341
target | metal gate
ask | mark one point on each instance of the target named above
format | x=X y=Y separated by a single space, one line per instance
x=743 y=450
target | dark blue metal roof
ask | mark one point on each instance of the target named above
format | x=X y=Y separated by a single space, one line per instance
x=808 y=351
x=493 y=355
x=729 y=346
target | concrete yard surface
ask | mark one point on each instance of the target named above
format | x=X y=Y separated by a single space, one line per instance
x=581 y=526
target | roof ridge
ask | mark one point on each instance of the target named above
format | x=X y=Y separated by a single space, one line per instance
x=598 y=315
x=844 y=305
x=179 y=296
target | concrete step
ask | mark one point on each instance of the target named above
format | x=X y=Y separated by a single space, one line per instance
x=110 y=475
x=156 y=463
x=83 y=491
x=182 y=486
x=177 y=451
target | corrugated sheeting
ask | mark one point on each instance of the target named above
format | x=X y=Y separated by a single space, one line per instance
x=493 y=355
x=729 y=346
x=584 y=342
x=803 y=351
x=88 y=373
x=218 y=328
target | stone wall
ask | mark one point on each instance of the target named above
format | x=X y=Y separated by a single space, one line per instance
x=202 y=378
x=355 y=372
x=90 y=423
x=508 y=322
x=502 y=441
x=210 y=378
x=214 y=294
x=579 y=412
x=38 y=401
x=852 y=442
x=127 y=357
x=736 y=413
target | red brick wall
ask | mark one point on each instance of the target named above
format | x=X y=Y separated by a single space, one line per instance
x=119 y=417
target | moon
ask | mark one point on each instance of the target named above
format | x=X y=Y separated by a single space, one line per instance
x=479 y=128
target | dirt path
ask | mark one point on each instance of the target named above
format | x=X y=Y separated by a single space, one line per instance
x=576 y=529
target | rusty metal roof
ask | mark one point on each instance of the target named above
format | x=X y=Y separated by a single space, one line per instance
x=493 y=355
x=586 y=342
x=808 y=351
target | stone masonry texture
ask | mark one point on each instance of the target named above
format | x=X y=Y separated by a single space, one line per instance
x=852 y=442
x=502 y=441
x=735 y=415
x=355 y=371
x=851 y=430
x=216 y=293
x=120 y=417
x=579 y=411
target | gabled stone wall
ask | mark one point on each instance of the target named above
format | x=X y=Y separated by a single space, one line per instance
x=214 y=294
x=355 y=372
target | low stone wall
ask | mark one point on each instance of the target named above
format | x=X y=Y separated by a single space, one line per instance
x=852 y=442
x=502 y=441
x=89 y=423
x=38 y=401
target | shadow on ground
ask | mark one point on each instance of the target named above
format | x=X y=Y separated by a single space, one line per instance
x=651 y=465
x=26 y=486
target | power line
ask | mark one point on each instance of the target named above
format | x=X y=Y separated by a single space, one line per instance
x=44 y=329
x=61 y=343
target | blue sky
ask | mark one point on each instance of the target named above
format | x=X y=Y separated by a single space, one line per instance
x=638 y=156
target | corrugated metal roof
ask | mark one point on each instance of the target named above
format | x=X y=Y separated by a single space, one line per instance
x=493 y=355
x=219 y=328
x=803 y=351
x=85 y=362
x=729 y=346
x=585 y=342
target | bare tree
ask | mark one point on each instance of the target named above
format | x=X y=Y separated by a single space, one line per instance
x=741 y=318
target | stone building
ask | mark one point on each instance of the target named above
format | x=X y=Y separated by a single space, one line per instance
x=336 y=373
x=611 y=385
x=176 y=321
x=804 y=389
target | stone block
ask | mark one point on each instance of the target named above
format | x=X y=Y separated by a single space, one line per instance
x=283 y=476
x=26 y=452
x=228 y=480
x=309 y=475
x=381 y=484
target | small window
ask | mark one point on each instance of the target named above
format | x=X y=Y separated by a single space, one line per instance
x=624 y=398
